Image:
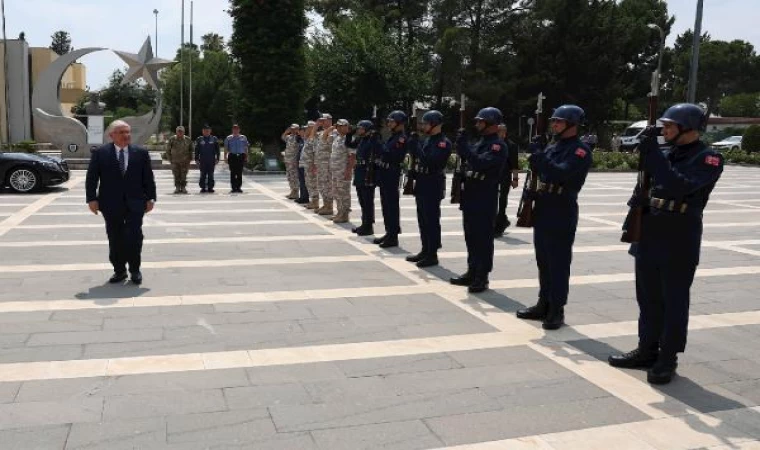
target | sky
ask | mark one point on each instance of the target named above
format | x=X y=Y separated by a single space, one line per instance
x=125 y=25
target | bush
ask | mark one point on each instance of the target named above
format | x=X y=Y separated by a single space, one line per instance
x=24 y=147
x=255 y=159
x=751 y=139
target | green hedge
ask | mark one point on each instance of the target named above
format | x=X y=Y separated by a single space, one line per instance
x=741 y=157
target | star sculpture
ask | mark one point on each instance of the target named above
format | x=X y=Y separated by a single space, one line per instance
x=143 y=65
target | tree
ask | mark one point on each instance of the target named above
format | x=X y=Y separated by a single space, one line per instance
x=268 y=43
x=128 y=99
x=740 y=105
x=61 y=42
x=212 y=42
x=751 y=139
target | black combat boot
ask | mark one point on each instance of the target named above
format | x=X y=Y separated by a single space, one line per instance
x=365 y=230
x=462 y=280
x=416 y=258
x=535 y=312
x=428 y=260
x=639 y=358
x=391 y=240
x=380 y=239
x=555 y=317
x=479 y=284
x=663 y=370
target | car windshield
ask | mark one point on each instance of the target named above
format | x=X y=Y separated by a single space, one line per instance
x=734 y=139
x=632 y=131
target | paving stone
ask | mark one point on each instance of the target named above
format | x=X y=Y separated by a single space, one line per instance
x=496 y=356
x=233 y=427
x=269 y=395
x=162 y=403
x=49 y=353
x=531 y=420
x=19 y=415
x=87 y=337
x=35 y=438
x=294 y=373
x=397 y=364
x=8 y=391
x=746 y=420
x=410 y=435
x=122 y=434
x=358 y=389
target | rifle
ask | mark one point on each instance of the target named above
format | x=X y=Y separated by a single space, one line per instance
x=632 y=224
x=458 y=177
x=409 y=175
x=369 y=178
x=525 y=216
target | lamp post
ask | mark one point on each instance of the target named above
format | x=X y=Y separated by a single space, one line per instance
x=658 y=73
x=695 y=53
x=155 y=13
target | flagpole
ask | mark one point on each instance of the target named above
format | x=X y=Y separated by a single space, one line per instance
x=182 y=70
x=190 y=115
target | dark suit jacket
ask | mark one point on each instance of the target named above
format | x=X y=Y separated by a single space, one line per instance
x=116 y=192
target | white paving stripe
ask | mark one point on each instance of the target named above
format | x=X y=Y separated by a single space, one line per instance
x=184 y=212
x=150 y=222
x=14 y=220
x=198 y=240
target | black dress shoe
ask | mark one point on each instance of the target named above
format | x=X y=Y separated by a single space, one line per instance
x=390 y=241
x=136 y=278
x=365 y=230
x=203 y=191
x=535 y=312
x=462 y=280
x=663 y=370
x=211 y=191
x=638 y=358
x=555 y=318
x=428 y=261
x=302 y=200
x=380 y=239
x=416 y=258
x=118 y=277
x=479 y=284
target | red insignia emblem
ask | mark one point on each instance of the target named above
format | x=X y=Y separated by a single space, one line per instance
x=712 y=160
x=442 y=144
x=495 y=147
x=581 y=153
x=402 y=140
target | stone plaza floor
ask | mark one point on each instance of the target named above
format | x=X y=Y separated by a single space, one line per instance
x=260 y=325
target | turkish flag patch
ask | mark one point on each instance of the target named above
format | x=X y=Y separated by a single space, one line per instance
x=495 y=147
x=442 y=144
x=712 y=161
x=581 y=153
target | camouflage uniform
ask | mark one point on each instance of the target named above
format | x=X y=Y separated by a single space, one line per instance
x=341 y=184
x=307 y=160
x=323 y=171
x=179 y=152
x=291 y=165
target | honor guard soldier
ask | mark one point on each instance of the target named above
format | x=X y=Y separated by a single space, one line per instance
x=561 y=172
x=179 y=152
x=236 y=145
x=483 y=162
x=388 y=163
x=431 y=157
x=509 y=179
x=367 y=145
x=667 y=254
x=207 y=157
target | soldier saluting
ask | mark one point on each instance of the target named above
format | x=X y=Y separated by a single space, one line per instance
x=667 y=254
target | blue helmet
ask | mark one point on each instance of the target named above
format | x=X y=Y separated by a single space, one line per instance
x=397 y=116
x=570 y=113
x=366 y=124
x=490 y=115
x=687 y=116
x=433 y=118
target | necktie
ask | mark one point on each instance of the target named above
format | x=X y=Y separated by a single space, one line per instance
x=122 y=163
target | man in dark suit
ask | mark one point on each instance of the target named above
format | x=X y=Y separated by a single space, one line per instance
x=120 y=184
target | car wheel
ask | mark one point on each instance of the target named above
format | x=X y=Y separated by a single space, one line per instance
x=23 y=180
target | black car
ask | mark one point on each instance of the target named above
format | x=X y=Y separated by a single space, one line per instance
x=29 y=172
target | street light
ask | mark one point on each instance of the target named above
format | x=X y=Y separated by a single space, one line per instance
x=695 y=53
x=658 y=74
x=155 y=13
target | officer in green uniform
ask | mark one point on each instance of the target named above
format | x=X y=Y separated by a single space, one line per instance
x=179 y=152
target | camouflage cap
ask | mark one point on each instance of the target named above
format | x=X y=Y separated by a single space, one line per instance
x=342 y=122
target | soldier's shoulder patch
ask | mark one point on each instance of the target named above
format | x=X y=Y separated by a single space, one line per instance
x=712 y=160
x=580 y=152
x=442 y=144
x=495 y=147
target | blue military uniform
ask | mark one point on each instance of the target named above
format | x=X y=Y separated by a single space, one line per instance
x=429 y=188
x=483 y=164
x=388 y=163
x=562 y=171
x=365 y=189
x=207 y=155
x=304 y=192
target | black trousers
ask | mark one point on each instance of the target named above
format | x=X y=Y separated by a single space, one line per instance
x=553 y=239
x=304 y=192
x=501 y=209
x=366 y=197
x=389 y=200
x=662 y=292
x=478 y=214
x=207 y=175
x=429 y=221
x=235 y=161
x=125 y=239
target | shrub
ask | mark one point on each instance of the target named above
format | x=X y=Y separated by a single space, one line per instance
x=751 y=139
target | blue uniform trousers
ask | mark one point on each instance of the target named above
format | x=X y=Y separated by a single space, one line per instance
x=388 y=180
x=428 y=192
x=207 y=174
x=553 y=238
x=478 y=214
x=304 y=196
x=366 y=195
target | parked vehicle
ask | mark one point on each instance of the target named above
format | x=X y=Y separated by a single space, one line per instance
x=729 y=143
x=631 y=136
x=29 y=172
